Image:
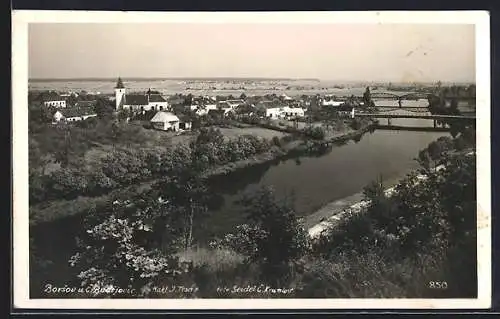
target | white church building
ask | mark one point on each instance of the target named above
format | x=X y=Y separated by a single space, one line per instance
x=137 y=101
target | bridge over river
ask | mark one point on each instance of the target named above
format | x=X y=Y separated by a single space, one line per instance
x=389 y=113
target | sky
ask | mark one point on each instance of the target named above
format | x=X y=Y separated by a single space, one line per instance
x=338 y=52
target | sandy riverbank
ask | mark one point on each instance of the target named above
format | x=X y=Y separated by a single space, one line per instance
x=336 y=207
x=333 y=212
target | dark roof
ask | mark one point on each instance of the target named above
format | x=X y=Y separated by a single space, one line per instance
x=51 y=96
x=345 y=107
x=219 y=112
x=176 y=100
x=149 y=91
x=183 y=118
x=119 y=84
x=85 y=103
x=136 y=99
x=270 y=104
x=156 y=98
x=235 y=101
x=77 y=111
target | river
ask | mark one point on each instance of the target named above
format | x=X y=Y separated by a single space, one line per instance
x=335 y=178
x=312 y=182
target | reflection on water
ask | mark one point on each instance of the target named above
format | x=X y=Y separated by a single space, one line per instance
x=318 y=179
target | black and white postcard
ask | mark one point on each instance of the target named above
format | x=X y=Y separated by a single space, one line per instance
x=237 y=160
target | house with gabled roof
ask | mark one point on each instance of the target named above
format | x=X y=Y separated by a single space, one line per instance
x=147 y=101
x=54 y=99
x=167 y=121
x=73 y=114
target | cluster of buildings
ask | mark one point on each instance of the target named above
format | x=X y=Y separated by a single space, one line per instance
x=269 y=106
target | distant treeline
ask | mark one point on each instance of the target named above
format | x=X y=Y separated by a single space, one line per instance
x=170 y=78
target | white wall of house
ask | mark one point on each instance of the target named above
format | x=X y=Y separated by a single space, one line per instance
x=331 y=103
x=283 y=112
x=89 y=116
x=273 y=112
x=201 y=112
x=60 y=103
x=209 y=107
x=74 y=119
x=57 y=116
x=185 y=125
x=159 y=106
x=228 y=110
x=173 y=125
x=137 y=107
x=292 y=111
x=159 y=125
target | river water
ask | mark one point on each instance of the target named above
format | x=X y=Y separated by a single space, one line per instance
x=312 y=182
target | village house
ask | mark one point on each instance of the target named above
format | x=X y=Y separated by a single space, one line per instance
x=227 y=108
x=53 y=99
x=56 y=103
x=291 y=112
x=176 y=100
x=245 y=109
x=73 y=114
x=345 y=110
x=167 y=121
x=285 y=97
x=327 y=103
x=204 y=109
x=284 y=112
x=220 y=113
x=138 y=101
x=273 y=112
x=234 y=103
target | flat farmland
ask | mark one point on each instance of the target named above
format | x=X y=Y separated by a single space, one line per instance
x=257 y=131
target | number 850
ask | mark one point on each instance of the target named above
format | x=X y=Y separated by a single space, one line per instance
x=438 y=284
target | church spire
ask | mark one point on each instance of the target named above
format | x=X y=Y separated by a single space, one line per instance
x=119 y=84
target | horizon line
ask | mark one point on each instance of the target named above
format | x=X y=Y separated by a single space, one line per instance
x=135 y=78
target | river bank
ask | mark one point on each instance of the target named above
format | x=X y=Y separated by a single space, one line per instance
x=330 y=214
x=291 y=148
x=55 y=209
x=333 y=212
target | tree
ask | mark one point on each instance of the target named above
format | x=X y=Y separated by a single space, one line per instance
x=124 y=246
x=471 y=90
x=243 y=96
x=367 y=98
x=438 y=85
x=187 y=189
x=316 y=133
x=188 y=99
x=125 y=114
x=62 y=155
x=104 y=108
x=277 y=235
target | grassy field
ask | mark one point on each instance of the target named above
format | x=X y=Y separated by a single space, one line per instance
x=257 y=131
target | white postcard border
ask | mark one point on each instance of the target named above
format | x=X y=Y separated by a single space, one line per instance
x=20 y=21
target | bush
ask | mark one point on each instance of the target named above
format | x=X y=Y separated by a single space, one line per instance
x=276 y=141
x=120 y=248
x=316 y=133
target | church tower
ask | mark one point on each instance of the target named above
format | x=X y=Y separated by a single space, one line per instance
x=119 y=94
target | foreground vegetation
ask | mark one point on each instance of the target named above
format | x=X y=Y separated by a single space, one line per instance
x=401 y=246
